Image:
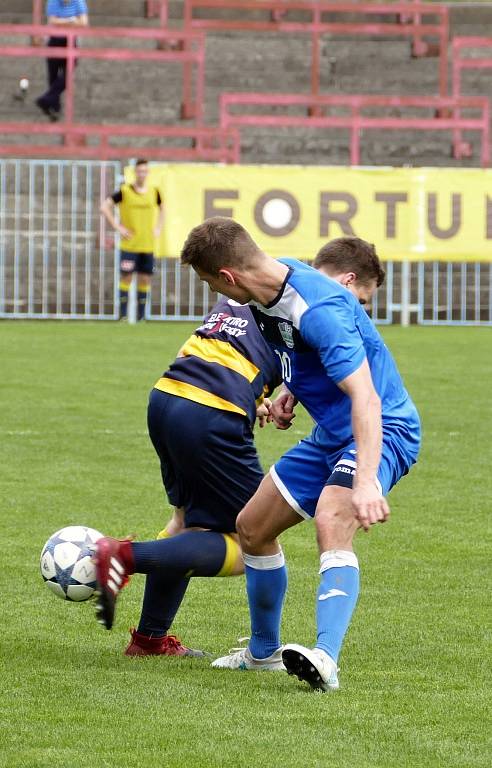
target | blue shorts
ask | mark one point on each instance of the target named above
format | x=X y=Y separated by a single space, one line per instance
x=136 y=262
x=209 y=463
x=301 y=474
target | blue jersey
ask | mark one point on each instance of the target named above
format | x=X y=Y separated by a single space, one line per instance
x=66 y=10
x=226 y=364
x=320 y=334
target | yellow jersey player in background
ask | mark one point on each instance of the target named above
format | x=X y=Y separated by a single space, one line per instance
x=141 y=217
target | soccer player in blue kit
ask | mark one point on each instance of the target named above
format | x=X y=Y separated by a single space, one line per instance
x=366 y=437
x=200 y=417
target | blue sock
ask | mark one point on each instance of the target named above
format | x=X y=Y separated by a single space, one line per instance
x=337 y=596
x=266 y=582
x=194 y=553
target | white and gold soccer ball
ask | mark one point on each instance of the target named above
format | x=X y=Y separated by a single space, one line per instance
x=66 y=564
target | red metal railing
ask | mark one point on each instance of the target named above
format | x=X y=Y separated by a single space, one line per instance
x=413 y=12
x=190 y=52
x=445 y=114
x=205 y=143
x=461 y=45
x=37 y=11
x=157 y=8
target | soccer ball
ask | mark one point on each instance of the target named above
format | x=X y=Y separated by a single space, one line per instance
x=66 y=565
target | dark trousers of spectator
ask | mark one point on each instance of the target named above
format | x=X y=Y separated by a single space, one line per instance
x=57 y=72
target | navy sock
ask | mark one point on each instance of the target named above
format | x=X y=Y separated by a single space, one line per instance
x=194 y=553
x=142 y=302
x=163 y=595
x=123 y=300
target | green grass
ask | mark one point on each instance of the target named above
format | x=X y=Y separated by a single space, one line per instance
x=415 y=669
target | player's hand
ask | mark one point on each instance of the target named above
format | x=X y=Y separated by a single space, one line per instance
x=125 y=233
x=282 y=410
x=369 y=505
x=263 y=413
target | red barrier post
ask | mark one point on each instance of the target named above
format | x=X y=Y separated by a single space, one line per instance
x=37 y=13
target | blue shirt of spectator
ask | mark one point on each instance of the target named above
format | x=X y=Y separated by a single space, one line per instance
x=66 y=9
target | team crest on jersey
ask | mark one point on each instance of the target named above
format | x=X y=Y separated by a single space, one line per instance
x=286 y=332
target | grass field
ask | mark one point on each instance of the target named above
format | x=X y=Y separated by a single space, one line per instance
x=415 y=669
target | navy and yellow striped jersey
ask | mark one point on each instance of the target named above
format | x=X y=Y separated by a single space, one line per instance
x=225 y=364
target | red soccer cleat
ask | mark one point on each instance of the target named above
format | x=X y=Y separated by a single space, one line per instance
x=114 y=564
x=169 y=645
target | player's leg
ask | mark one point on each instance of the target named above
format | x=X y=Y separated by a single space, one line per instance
x=175 y=525
x=264 y=518
x=337 y=592
x=218 y=553
x=144 y=268
x=127 y=268
x=339 y=568
x=286 y=496
x=336 y=527
x=211 y=469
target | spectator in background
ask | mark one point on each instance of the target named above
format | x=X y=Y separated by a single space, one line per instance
x=141 y=219
x=62 y=13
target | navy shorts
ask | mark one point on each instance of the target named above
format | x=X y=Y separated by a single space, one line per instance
x=136 y=262
x=209 y=462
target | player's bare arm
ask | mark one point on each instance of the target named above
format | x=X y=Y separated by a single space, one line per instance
x=369 y=505
x=107 y=210
x=72 y=21
x=160 y=221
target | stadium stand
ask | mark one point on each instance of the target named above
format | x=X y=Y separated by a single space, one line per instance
x=370 y=20
x=190 y=51
x=461 y=46
x=239 y=60
x=349 y=113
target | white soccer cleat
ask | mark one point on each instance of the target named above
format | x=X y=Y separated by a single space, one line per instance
x=242 y=659
x=312 y=665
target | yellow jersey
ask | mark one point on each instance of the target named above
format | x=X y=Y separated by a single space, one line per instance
x=138 y=213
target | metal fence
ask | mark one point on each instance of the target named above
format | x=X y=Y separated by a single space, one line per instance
x=58 y=259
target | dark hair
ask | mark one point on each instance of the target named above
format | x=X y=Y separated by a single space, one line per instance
x=218 y=242
x=351 y=254
x=140 y=161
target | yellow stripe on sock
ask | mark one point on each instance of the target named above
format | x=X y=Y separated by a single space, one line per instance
x=163 y=534
x=143 y=288
x=124 y=287
x=233 y=551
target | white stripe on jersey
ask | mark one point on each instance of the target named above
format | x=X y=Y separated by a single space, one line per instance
x=291 y=306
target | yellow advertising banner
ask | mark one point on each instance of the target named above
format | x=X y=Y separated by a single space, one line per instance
x=417 y=214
